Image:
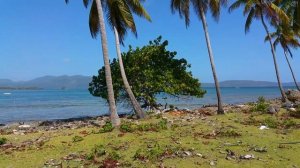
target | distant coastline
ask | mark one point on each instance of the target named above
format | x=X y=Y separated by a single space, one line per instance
x=20 y=88
x=82 y=82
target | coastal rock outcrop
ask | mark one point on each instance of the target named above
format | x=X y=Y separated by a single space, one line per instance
x=293 y=95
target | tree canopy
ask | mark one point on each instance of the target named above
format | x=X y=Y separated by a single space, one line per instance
x=151 y=70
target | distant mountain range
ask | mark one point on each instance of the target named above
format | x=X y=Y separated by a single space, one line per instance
x=247 y=83
x=82 y=82
x=49 y=82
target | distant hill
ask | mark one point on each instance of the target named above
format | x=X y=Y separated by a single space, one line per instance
x=50 y=82
x=82 y=82
x=247 y=83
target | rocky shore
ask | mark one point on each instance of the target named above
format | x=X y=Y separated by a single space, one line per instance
x=273 y=107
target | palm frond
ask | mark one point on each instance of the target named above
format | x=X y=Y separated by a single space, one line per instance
x=249 y=20
x=183 y=8
x=236 y=5
x=94 y=20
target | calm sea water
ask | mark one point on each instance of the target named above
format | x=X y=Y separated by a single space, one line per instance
x=28 y=105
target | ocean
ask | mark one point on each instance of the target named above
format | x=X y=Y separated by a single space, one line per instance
x=31 y=105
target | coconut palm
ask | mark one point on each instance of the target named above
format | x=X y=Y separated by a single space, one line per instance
x=264 y=9
x=292 y=8
x=285 y=36
x=97 y=10
x=201 y=7
x=120 y=18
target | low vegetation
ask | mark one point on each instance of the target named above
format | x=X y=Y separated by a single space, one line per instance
x=165 y=140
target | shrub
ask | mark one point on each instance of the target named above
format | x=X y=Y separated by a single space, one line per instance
x=261 y=105
x=230 y=133
x=98 y=150
x=163 y=124
x=271 y=122
x=127 y=127
x=3 y=141
x=89 y=156
x=289 y=123
x=149 y=154
x=77 y=138
x=108 y=127
x=114 y=155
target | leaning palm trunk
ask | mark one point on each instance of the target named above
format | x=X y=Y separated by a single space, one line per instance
x=111 y=99
x=137 y=108
x=287 y=60
x=284 y=98
x=211 y=57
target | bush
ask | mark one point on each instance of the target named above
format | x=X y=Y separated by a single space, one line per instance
x=261 y=105
x=271 y=122
x=114 y=155
x=108 y=127
x=98 y=151
x=163 y=124
x=3 y=141
x=127 y=127
x=77 y=139
x=230 y=133
x=289 y=123
x=149 y=154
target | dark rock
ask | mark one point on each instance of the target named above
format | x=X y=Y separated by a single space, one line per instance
x=287 y=105
x=271 y=110
x=293 y=95
x=2 y=125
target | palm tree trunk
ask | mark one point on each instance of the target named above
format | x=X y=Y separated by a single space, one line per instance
x=212 y=63
x=137 y=108
x=287 y=60
x=111 y=99
x=283 y=96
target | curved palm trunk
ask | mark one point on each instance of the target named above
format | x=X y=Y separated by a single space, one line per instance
x=283 y=96
x=111 y=99
x=287 y=60
x=137 y=108
x=212 y=63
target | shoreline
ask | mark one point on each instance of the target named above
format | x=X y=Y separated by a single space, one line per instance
x=99 y=120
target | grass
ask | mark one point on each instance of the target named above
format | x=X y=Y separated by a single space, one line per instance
x=153 y=142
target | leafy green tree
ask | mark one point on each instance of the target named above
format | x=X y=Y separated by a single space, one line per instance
x=151 y=70
x=264 y=9
x=201 y=7
x=285 y=36
x=99 y=27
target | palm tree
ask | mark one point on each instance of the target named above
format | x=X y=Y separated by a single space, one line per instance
x=261 y=9
x=292 y=8
x=120 y=17
x=285 y=36
x=201 y=7
x=96 y=9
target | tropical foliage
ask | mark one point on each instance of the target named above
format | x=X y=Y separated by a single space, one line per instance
x=201 y=7
x=285 y=36
x=151 y=70
x=264 y=9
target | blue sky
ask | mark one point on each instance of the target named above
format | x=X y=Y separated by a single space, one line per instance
x=40 y=38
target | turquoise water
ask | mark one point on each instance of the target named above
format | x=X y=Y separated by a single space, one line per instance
x=27 y=105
